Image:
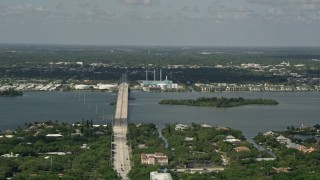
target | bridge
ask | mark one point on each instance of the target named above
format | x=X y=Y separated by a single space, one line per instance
x=121 y=159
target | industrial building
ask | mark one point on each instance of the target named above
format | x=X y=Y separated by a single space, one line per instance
x=157 y=85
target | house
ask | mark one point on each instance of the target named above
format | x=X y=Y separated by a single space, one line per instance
x=188 y=139
x=269 y=133
x=292 y=145
x=156 y=158
x=181 y=127
x=142 y=146
x=241 y=149
x=160 y=176
x=11 y=155
x=223 y=129
x=282 y=169
x=265 y=159
x=205 y=125
x=232 y=139
x=54 y=135
x=305 y=149
x=283 y=140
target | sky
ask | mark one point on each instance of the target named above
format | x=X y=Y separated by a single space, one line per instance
x=161 y=22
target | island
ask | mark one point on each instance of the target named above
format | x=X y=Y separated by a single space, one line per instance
x=10 y=92
x=218 y=102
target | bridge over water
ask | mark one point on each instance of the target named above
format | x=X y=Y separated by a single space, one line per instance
x=121 y=159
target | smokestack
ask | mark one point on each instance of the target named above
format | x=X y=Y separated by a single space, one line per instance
x=146 y=74
x=160 y=74
x=154 y=74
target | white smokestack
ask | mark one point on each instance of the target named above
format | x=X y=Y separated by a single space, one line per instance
x=154 y=74
x=146 y=75
x=160 y=74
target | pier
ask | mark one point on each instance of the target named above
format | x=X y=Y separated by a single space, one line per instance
x=121 y=158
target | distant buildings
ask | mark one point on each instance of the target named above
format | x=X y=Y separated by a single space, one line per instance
x=156 y=158
x=220 y=87
x=98 y=86
x=287 y=142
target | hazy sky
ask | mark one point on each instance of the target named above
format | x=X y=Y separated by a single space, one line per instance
x=161 y=22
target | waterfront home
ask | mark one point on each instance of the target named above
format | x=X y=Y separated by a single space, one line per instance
x=223 y=128
x=289 y=144
x=181 y=127
x=269 y=133
x=232 y=140
x=283 y=140
x=205 y=125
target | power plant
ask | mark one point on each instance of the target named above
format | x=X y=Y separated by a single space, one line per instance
x=157 y=85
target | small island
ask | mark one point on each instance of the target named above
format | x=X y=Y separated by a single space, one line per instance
x=218 y=102
x=10 y=92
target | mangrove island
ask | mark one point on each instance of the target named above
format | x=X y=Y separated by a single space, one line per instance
x=218 y=102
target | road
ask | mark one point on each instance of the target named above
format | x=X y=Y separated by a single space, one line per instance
x=120 y=127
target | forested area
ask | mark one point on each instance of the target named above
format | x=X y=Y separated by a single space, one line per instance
x=85 y=152
x=10 y=92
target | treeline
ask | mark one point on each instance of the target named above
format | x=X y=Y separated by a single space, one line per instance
x=218 y=102
x=11 y=92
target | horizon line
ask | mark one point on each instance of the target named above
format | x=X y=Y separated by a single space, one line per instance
x=144 y=45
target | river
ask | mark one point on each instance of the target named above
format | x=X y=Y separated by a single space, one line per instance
x=295 y=108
